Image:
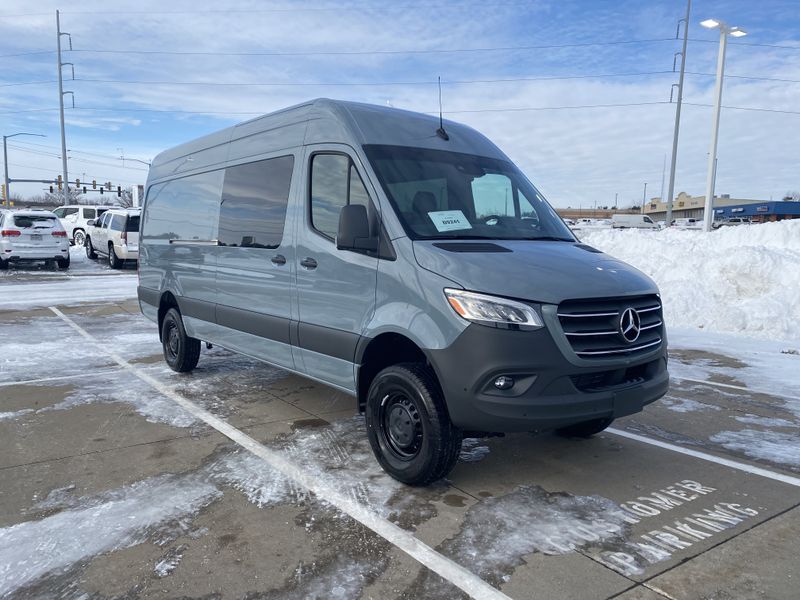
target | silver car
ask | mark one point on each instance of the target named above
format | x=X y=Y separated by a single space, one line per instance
x=32 y=236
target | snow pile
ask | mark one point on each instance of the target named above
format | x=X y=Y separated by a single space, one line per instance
x=743 y=279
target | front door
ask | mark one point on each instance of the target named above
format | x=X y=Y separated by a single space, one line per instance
x=255 y=261
x=335 y=288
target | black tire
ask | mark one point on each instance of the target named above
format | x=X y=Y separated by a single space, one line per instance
x=408 y=426
x=63 y=263
x=180 y=351
x=585 y=429
x=113 y=260
x=90 y=253
x=79 y=237
x=3 y=265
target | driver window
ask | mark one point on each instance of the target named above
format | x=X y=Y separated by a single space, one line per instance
x=493 y=195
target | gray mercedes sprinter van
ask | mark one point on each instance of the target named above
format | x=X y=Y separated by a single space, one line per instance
x=405 y=261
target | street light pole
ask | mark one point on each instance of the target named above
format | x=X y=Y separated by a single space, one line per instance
x=724 y=31
x=5 y=163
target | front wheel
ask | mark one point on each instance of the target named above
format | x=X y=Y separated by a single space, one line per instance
x=585 y=429
x=180 y=351
x=408 y=426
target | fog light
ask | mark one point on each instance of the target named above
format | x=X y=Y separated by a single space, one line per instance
x=504 y=383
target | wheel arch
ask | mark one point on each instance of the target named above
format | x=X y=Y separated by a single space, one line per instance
x=167 y=301
x=384 y=350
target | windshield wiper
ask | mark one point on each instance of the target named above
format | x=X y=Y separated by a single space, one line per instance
x=548 y=238
x=460 y=237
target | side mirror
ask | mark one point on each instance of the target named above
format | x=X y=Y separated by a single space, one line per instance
x=90 y=223
x=354 y=229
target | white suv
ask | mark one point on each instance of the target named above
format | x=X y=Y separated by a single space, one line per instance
x=116 y=235
x=32 y=235
x=75 y=218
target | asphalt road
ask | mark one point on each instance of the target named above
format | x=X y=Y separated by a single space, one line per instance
x=122 y=479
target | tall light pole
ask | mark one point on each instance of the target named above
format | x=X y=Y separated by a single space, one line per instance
x=5 y=162
x=61 y=94
x=724 y=32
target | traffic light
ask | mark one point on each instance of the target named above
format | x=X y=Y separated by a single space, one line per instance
x=3 y=187
x=77 y=183
x=51 y=189
x=84 y=189
x=108 y=185
x=94 y=184
x=60 y=182
x=119 y=191
x=101 y=190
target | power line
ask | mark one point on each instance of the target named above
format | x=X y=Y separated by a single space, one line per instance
x=392 y=83
x=27 y=53
x=73 y=158
x=752 y=44
x=373 y=52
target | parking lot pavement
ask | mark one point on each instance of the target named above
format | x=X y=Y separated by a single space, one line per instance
x=120 y=478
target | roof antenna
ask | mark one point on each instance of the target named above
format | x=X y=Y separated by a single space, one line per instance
x=441 y=132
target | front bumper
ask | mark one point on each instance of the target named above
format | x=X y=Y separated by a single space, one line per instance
x=549 y=391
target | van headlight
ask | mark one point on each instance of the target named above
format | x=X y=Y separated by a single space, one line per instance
x=491 y=310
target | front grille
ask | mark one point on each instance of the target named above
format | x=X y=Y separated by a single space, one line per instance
x=616 y=378
x=593 y=326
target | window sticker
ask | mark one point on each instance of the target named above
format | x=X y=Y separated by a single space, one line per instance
x=449 y=220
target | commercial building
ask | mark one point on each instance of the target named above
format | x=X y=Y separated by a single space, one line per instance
x=691 y=207
x=760 y=212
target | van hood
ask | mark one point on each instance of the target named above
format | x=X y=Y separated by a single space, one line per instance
x=539 y=271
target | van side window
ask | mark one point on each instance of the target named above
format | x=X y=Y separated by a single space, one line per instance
x=335 y=183
x=184 y=209
x=89 y=213
x=254 y=200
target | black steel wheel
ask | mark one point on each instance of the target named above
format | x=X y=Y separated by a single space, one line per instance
x=63 y=263
x=585 y=429
x=408 y=426
x=180 y=351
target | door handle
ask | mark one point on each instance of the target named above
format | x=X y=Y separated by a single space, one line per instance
x=308 y=263
x=278 y=259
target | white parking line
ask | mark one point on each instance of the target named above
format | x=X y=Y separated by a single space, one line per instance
x=58 y=378
x=449 y=570
x=733 y=464
x=735 y=387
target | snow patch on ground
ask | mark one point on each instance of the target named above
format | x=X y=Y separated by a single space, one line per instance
x=737 y=279
x=765 y=367
x=471 y=451
x=104 y=523
x=684 y=405
x=170 y=561
x=498 y=532
x=773 y=446
x=765 y=421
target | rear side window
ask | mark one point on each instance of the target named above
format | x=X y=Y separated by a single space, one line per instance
x=185 y=208
x=89 y=213
x=334 y=183
x=254 y=200
x=117 y=222
x=64 y=212
x=132 y=224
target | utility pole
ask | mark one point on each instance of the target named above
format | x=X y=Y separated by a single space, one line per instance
x=671 y=192
x=644 y=196
x=61 y=94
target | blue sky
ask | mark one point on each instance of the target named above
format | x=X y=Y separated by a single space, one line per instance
x=576 y=156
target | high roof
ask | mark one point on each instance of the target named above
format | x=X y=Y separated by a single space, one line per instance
x=316 y=122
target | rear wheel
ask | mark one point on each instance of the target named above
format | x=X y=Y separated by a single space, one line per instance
x=90 y=253
x=408 y=426
x=3 y=265
x=63 y=263
x=113 y=260
x=585 y=429
x=180 y=351
x=79 y=237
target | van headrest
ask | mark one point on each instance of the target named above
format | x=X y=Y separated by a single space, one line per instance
x=423 y=203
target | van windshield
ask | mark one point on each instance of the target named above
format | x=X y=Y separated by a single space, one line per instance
x=450 y=195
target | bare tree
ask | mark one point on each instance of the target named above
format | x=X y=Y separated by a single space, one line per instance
x=792 y=196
